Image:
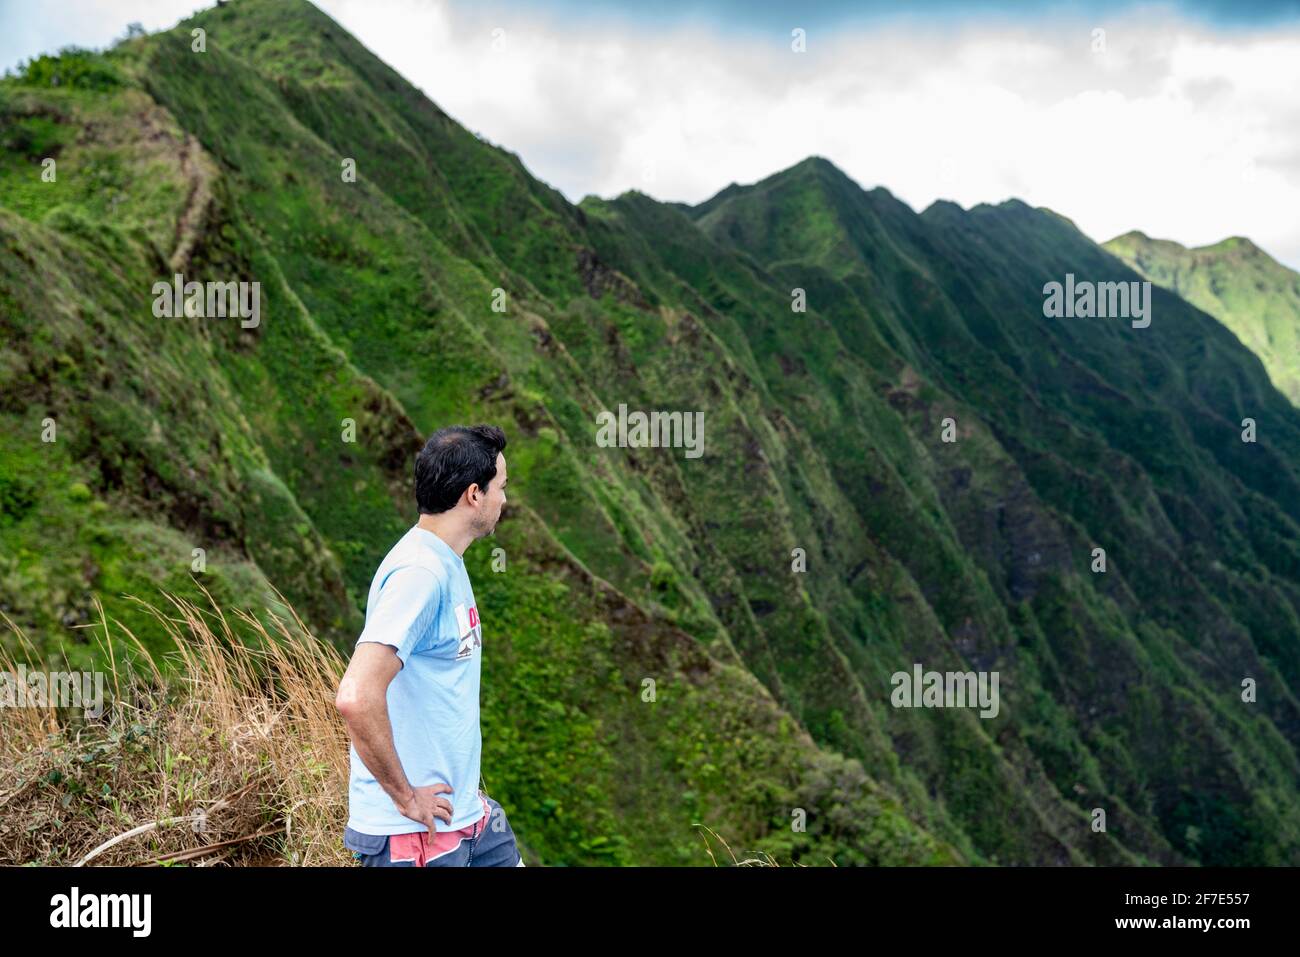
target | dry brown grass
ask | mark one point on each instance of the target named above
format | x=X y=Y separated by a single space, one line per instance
x=230 y=752
x=763 y=860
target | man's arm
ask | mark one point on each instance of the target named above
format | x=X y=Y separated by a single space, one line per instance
x=363 y=701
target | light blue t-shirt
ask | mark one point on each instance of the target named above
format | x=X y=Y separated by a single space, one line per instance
x=422 y=604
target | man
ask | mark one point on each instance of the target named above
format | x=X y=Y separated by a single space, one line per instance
x=410 y=694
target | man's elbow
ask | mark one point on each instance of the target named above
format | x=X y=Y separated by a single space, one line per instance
x=364 y=686
x=349 y=701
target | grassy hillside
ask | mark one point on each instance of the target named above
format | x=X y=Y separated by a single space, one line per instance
x=174 y=434
x=1240 y=285
x=823 y=437
x=1074 y=434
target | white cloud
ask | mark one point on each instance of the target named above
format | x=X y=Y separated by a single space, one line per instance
x=1175 y=129
x=1178 y=129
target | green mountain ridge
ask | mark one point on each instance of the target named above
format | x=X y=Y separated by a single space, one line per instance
x=824 y=433
x=1236 y=282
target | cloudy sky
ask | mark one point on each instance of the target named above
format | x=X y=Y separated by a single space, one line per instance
x=1180 y=119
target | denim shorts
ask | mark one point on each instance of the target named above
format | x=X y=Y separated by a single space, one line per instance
x=492 y=846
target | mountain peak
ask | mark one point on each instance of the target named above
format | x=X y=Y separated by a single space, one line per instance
x=1132 y=236
x=818 y=165
x=943 y=207
x=816 y=161
x=1135 y=239
x=1237 y=244
x=1234 y=245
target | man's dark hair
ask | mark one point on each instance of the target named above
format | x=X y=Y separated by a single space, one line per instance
x=451 y=461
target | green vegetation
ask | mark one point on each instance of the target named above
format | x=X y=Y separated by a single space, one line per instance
x=655 y=661
x=73 y=68
x=1240 y=285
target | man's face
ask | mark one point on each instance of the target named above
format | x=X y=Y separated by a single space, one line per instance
x=489 y=510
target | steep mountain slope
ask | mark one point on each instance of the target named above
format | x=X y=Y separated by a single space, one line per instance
x=1236 y=282
x=1082 y=433
x=190 y=432
x=822 y=438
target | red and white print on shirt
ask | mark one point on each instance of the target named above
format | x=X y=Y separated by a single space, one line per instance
x=471 y=630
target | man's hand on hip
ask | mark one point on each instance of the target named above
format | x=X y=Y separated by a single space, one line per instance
x=424 y=805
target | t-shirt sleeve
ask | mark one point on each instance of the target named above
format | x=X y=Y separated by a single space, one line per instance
x=406 y=608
